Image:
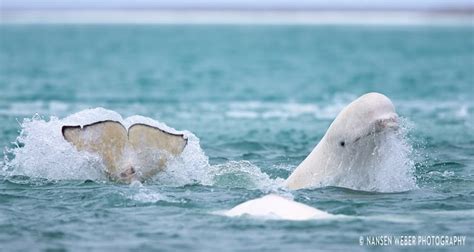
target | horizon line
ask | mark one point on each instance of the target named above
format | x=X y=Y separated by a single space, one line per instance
x=311 y=17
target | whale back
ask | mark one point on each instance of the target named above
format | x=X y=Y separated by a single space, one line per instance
x=273 y=206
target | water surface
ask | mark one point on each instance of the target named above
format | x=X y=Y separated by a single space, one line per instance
x=258 y=98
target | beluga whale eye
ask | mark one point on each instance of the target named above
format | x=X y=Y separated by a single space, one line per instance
x=342 y=143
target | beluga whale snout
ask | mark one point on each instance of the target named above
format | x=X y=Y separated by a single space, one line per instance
x=348 y=146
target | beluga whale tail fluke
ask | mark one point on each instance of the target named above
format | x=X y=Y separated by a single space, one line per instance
x=347 y=152
x=136 y=153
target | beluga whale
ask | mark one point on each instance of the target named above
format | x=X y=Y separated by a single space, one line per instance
x=130 y=154
x=348 y=155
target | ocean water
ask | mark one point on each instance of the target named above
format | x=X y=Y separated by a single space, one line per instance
x=254 y=101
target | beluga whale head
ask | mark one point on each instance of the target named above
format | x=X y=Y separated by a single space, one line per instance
x=349 y=152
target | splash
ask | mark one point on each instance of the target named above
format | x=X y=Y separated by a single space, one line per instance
x=243 y=174
x=390 y=169
x=42 y=152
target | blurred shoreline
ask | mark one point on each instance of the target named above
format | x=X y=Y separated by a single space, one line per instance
x=238 y=16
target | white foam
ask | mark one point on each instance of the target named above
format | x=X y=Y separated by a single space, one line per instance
x=444 y=174
x=45 y=154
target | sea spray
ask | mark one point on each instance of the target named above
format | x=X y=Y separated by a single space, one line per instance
x=390 y=169
x=41 y=151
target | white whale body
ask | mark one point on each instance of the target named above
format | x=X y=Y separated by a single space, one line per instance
x=273 y=206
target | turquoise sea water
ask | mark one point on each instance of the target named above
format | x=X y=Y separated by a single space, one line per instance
x=258 y=98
